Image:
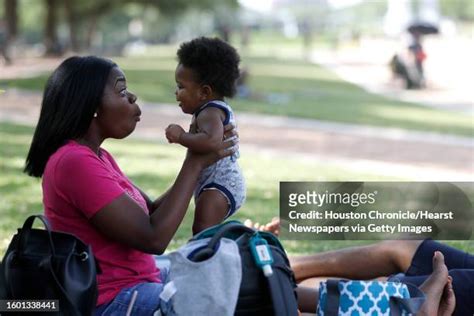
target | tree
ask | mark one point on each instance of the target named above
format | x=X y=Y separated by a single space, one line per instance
x=11 y=17
x=51 y=41
x=72 y=20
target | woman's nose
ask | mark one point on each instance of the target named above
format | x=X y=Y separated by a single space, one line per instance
x=132 y=98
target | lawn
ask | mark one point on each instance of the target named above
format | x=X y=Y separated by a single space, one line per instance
x=153 y=166
x=287 y=87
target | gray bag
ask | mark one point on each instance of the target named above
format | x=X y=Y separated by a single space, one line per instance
x=208 y=287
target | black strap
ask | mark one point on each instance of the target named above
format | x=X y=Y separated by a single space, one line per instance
x=279 y=308
x=411 y=305
x=61 y=289
x=332 y=298
x=26 y=229
x=231 y=227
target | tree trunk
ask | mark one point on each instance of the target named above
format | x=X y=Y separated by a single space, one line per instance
x=91 y=30
x=11 y=15
x=51 y=41
x=71 y=17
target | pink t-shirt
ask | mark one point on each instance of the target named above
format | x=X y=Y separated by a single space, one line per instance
x=76 y=185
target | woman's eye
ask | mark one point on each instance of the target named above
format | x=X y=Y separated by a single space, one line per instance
x=123 y=93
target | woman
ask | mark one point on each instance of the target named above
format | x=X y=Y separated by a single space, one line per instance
x=85 y=193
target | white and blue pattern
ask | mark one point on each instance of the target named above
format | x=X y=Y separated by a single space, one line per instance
x=359 y=298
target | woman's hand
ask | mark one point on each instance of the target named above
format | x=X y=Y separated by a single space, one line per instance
x=228 y=146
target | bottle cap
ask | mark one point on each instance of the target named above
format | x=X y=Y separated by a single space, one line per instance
x=267 y=270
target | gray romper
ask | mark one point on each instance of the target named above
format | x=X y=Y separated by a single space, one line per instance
x=225 y=175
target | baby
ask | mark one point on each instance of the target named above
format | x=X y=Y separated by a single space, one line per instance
x=206 y=73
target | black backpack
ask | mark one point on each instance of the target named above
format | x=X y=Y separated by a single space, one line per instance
x=258 y=295
x=46 y=265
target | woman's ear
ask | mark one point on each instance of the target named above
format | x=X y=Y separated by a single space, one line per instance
x=206 y=92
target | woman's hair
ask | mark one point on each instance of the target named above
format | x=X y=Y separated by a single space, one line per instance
x=214 y=63
x=72 y=94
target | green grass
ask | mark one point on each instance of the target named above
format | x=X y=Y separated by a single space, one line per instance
x=153 y=167
x=287 y=87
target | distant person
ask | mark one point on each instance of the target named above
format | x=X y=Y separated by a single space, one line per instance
x=419 y=56
x=4 y=43
x=206 y=74
x=245 y=37
x=400 y=69
x=243 y=89
x=306 y=31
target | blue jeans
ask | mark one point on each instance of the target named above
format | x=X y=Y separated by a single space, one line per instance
x=147 y=301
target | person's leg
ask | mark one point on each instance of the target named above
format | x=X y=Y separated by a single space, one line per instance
x=437 y=288
x=461 y=269
x=141 y=299
x=434 y=287
x=307 y=299
x=211 y=208
x=454 y=258
x=365 y=262
x=462 y=286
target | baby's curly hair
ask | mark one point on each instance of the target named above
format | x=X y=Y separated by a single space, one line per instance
x=213 y=61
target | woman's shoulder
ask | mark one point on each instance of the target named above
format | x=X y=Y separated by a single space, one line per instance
x=73 y=150
x=72 y=155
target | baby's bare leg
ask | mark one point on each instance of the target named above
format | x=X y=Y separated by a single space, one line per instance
x=211 y=208
x=365 y=262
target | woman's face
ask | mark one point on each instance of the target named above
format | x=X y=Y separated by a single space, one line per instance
x=118 y=113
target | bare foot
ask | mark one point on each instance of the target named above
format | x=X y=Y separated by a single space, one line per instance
x=434 y=286
x=448 y=300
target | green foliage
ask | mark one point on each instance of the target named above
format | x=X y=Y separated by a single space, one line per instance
x=458 y=9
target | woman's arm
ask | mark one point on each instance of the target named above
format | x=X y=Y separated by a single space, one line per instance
x=153 y=205
x=124 y=221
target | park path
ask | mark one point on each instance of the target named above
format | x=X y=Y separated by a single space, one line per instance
x=413 y=155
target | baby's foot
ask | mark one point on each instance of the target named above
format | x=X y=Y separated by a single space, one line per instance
x=434 y=286
x=448 y=300
x=272 y=227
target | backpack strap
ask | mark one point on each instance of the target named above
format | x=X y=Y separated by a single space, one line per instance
x=280 y=308
x=332 y=298
x=62 y=292
x=411 y=305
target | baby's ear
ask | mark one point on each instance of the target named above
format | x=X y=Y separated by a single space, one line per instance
x=206 y=92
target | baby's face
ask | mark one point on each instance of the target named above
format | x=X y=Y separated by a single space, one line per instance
x=188 y=91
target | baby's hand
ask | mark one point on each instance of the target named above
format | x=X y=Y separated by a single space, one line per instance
x=174 y=132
